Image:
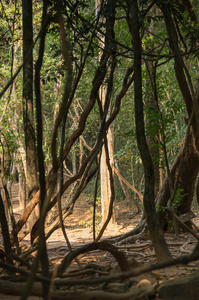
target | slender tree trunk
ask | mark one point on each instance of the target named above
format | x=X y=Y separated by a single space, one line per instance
x=81 y=152
x=153 y=139
x=74 y=161
x=21 y=155
x=105 y=178
x=5 y=233
x=22 y=187
x=10 y=179
x=153 y=144
x=151 y=103
x=2 y=190
x=28 y=117
x=104 y=172
x=156 y=233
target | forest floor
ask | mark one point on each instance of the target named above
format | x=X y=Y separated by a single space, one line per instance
x=79 y=232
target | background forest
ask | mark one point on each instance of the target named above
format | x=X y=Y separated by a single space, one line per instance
x=98 y=98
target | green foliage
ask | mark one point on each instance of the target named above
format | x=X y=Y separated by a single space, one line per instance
x=178 y=200
x=161 y=208
x=79 y=18
x=98 y=218
x=166 y=121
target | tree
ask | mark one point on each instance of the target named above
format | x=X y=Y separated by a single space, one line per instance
x=159 y=243
x=107 y=150
x=152 y=112
x=28 y=116
x=70 y=75
x=178 y=179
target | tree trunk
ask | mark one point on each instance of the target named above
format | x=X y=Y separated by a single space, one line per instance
x=22 y=187
x=190 y=167
x=156 y=234
x=2 y=189
x=5 y=233
x=105 y=178
x=153 y=140
x=104 y=172
x=188 y=176
x=28 y=117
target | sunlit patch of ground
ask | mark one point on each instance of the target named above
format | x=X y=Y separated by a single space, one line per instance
x=79 y=232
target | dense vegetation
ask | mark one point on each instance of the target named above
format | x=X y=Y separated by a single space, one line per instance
x=92 y=90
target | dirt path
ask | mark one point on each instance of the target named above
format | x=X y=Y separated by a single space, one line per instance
x=79 y=232
x=79 y=224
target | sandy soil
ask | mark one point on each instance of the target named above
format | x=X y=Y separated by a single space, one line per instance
x=79 y=232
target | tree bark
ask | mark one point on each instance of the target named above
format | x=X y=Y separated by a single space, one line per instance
x=188 y=176
x=105 y=178
x=190 y=166
x=22 y=187
x=42 y=248
x=153 y=139
x=160 y=246
x=105 y=95
x=5 y=233
x=28 y=117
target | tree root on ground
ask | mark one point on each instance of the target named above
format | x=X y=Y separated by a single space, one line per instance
x=105 y=246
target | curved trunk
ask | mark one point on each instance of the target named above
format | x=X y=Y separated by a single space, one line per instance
x=190 y=167
x=188 y=176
